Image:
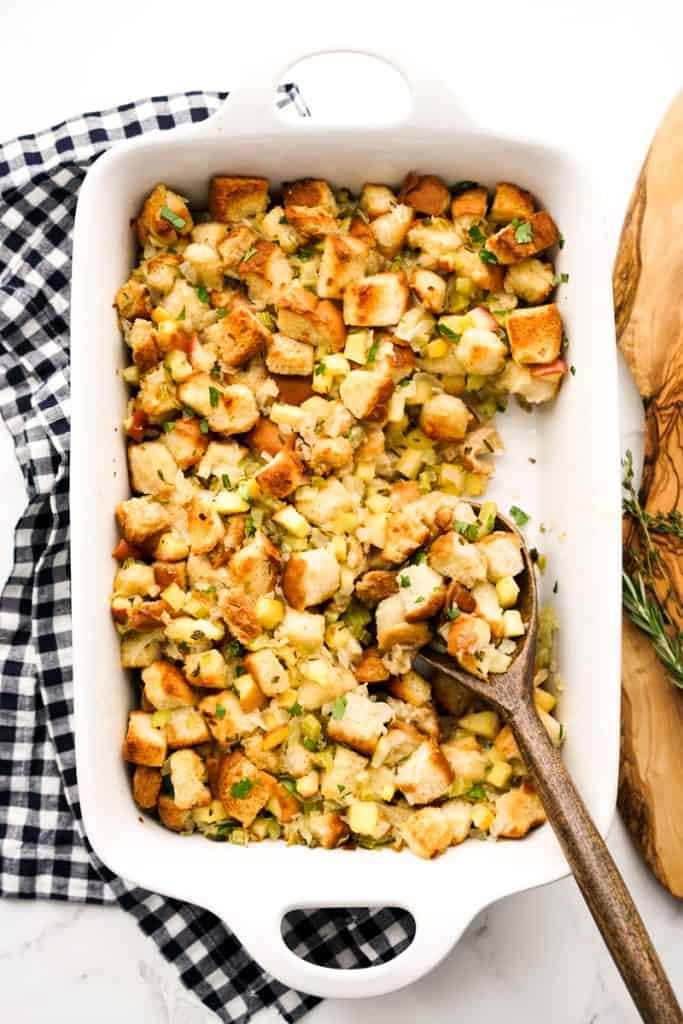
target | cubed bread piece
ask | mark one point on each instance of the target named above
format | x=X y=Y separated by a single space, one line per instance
x=143 y=346
x=468 y=635
x=270 y=674
x=186 y=728
x=366 y=393
x=405 y=533
x=226 y=717
x=228 y=410
x=425 y=193
x=310 y=577
x=506 y=744
x=277 y=228
x=235 y=246
x=503 y=553
x=183 y=301
x=282 y=475
x=393 y=359
x=327 y=828
x=453 y=556
x=288 y=356
x=144 y=744
x=445 y=418
x=140 y=518
x=344 y=259
x=376 y=200
x=188 y=778
x=146 y=786
x=425 y=775
x=466 y=758
x=438 y=239
x=310 y=207
x=185 y=441
x=411 y=688
x=423 y=718
x=243 y=789
x=266 y=437
x=165 y=686
x=239 y=611
x=305 y=318
x=535 y=334
x=222 y=458
x=321 y=505
x=540 y=230
x=488 y=606
x=532 y=280
x=162 y=271
x=132 y=300
x=471 y=203
x=371 y=668
x=206 y=669
x=152 y=468
x=516 y=812
x=422 y=592
x=429 y=287
x=173 y=817
x=206 y=264
x=510 y=203
x=303 y=630
x=432 y=830
x=376 y=301
x=359 y=723
x=481 y=352
x=205 y=528
x=255 y=566
x=534 y=389
x=164 y=218
x=135 y=578
x=239 y=335
x=157 y=397
x=330 y=453
x=469 y=264
x=341 y=780
x=231 y=199
x=375 y=585
x=266 y=271
x=392 y=627
x=140 y=649
x=390 y=229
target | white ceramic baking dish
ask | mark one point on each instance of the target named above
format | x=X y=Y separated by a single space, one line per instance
x=573 y=486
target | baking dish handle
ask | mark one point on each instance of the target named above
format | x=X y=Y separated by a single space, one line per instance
x=250 y=109
x=438 y=927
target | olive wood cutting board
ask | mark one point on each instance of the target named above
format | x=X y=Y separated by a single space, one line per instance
x=648 y=300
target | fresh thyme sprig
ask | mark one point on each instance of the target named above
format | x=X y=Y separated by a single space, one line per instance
x=639 y=592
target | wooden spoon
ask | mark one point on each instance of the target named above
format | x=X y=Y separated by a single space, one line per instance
x=603 y=888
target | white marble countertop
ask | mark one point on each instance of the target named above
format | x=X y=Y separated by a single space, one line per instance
x=596 y=75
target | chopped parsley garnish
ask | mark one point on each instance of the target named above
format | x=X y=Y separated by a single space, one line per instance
x=283 y=220
x=523 y=232
x=561 y=279
x=214 y=397
x=468 y=530
x=560 y=242
x=518 y=515
x=204 y=426
x=341 y=788
x=225 y=480
x=220 y=313
x=167 y=214
x=464 y=186
x=486 y=256
x=240 y=789
x=168 y=426
x=188 y=412
x=249 y=528
x=476 y=234
x=249 y=253
x=556 y=587
x=320 y=369
x=295 y=709
x=453 y=612
x=477 y=792
x=305 y=252
x=216 y=371
x=446 y=332
x=418 y=558
x=220 y=711
x=404 y=580
x=181 y=314
x=290 y=785
x=338 y=707
x=203 y=294
x=309 y=744
x=572 y=370
x=372 y=352
x=235 y=648
x=419 y=600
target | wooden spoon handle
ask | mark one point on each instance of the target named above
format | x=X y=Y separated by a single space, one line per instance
x=597 y=875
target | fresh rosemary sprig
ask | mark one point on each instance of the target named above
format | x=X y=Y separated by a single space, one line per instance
x=645 y=567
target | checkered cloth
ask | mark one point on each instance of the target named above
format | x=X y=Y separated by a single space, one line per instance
x=43 y=849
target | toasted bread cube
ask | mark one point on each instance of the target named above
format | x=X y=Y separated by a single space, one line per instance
x=328 y=829
x=135 y=578
x=532 y=280
x=390 y=229
x=239 y=611
x=510 y=202
x=361 y=724
x=185 y=441
x=344 y=259
x=425 y=775
x=288 y=356
x=371 y=668
x=303 y=317
x=422 y=592
x=231 y=199
x=535 y=334
x=392 y=627
x=239 y=335
x=430 y=288
x=481 y=352
x=186 y=728
x=468 y=634
x=270 y=674
x=235 y=246
x=206 y=264
x=466 y=758
x=266 y=271
x=243 y=789
x=438 y=240
x=157 y=396
x=165 y=687
x=140 y=649
x=432 y=830
x=310 y=207
x=366 y=393
x=311 y=221
x=142 y=341
x=341 y=780
x=310 y=577
x=506 y=744
x=140 y=518
x=445 y=418
x=485 y=275
x=375 y=585
x=188 y=775
x=376 y=301
x=170 y=547
x=161 y=272
x=303 y=630
x=144 y=744
x=516 y=812
x=503 y=553
x=488 y=606
x=132 y=300
x=506 y=247
x=376 y=200
x=172 y=816
x=453 y=556
x=152 y=468
x=277 y=229
x=519 y=380
x=146 y=786
x=205 y=527
x=425 y=193
x=405 y=533
x=471 y=203
x=330 y=453
x=153 y=223
x=228 y=410
x=321 y=505
x=282 y=475
x=226 y=717
x=411 y=688
x=255 y=566
x=251 y=696
x=206 y=669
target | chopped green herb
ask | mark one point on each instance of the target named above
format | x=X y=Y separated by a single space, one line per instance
x=523 y=232
x=486 y=256
x=453 y=612
x=476 y=234
x=240 y=789
x=372 y=352
x=572 y=370
x=309 y=744
x=214 y=397
x=220 y=710
x=419 y=558
x=220 y=313
x=446 y=332
x=320 y=369
x=468 y=530
x=419 y=600
x=477 y=792
x=340 y=787
x=295 y=709
x=338 y=707
x=161 y=476
x=181 y=314
x=203 y=294
x=289 y=784
x=188 y=412
x=216 y=371
x=405 y=382
x=556 y=587
x=404 y=581
x=168 y=426
x=225 y=480
x=249 y=528
x=561 y=241
x=464 y=186
x=283 y=219
x=178 y=222
x=305 y=252
x=520 y=517
x=235 y=648
x=203 y=426
x=249 y=253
